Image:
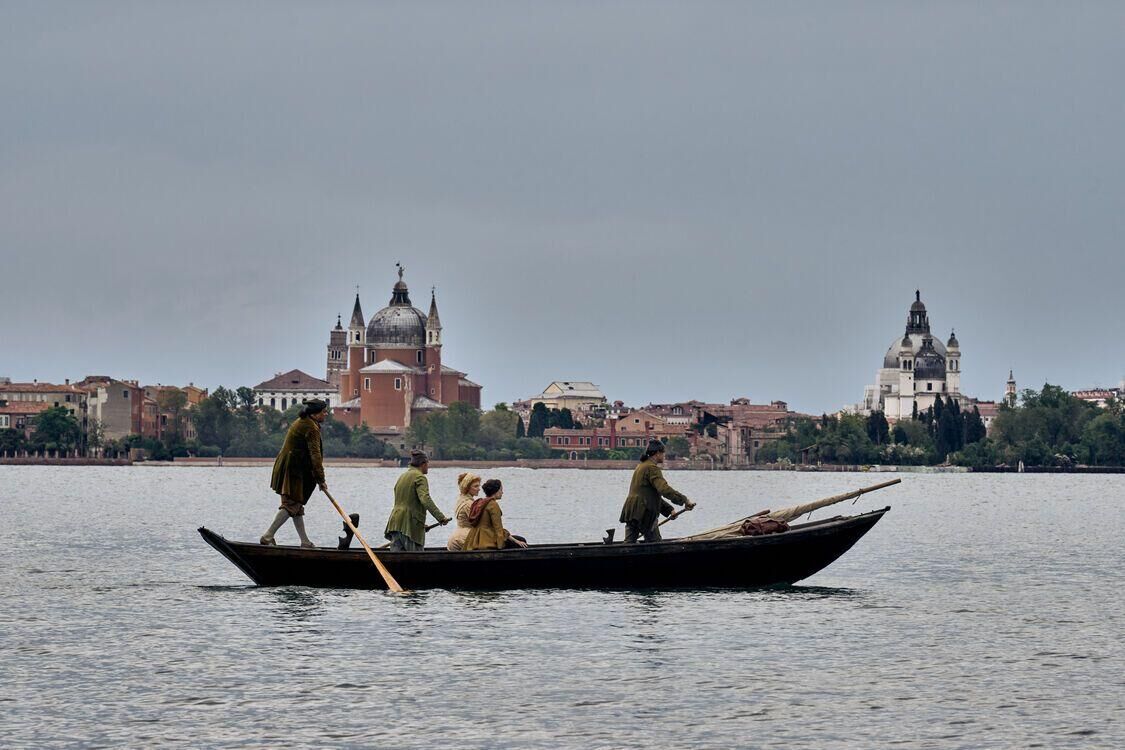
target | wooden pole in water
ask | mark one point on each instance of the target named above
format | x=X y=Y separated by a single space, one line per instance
x=388 y=579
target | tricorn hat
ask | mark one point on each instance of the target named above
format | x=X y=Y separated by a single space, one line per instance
x=654 y=447
x=315 y=406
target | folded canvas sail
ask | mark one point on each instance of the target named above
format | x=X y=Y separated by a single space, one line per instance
x=787 y=514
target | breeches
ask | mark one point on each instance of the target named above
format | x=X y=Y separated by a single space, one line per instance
x=292 y=505
x=634 y=531
x=402 y=543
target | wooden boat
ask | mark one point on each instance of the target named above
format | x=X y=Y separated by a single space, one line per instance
x=739 y=562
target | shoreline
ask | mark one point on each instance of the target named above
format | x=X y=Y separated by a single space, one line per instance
x=553 y=463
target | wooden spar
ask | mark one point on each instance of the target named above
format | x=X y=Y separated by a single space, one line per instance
x=796 y=511
x=788 y=514
x=388 y=579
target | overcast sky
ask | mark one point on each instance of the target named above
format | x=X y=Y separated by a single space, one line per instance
x=673 y=200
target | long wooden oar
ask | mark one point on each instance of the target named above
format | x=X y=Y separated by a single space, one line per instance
x=674 y=516
x=388 y=579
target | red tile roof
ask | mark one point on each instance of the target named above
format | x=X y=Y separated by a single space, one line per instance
x=40 y=388
x=24 y=407
x=295 y=380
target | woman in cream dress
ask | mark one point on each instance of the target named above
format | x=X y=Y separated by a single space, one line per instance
x=469 y=485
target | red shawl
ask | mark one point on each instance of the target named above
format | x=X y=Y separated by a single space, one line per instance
x=477 y=509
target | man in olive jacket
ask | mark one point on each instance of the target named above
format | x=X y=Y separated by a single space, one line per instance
x=644 y=505
x=406 y=528
x=298 y=470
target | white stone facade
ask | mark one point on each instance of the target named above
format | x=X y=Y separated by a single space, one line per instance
x=917 y=370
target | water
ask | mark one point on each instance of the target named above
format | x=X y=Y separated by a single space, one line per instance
x=982 y=611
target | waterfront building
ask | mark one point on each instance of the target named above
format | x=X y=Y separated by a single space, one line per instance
x=294 y=387
x=389 y=371
x=917 y=370
x=580 y=396
x=632 y=430
x=157 y=416
x=71 y=397
x=20 y=415
x=987 y=411
x=1101 y=396
x=117 y=405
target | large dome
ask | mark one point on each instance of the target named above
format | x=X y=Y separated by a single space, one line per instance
x=891 y=357
x=397 y=325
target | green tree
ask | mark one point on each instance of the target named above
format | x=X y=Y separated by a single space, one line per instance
x=95 y=435
x=974 y=427
x=678 y=447
x=1047 y=423
x=214 y=422
x=12 y=441
x=172 y=402
x=878 y=431
x=498 y=427
x=1103 y=439
x=57 y=429
x=539 y=421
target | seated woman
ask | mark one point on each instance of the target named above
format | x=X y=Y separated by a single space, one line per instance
x=488 y=531
x=469 y=485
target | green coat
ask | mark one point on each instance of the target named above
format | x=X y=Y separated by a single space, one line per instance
x=412 y=500
x=644 y=504
x=299 y=467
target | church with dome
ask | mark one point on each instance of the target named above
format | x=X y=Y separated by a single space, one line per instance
x=388 y=370
x=917 y=370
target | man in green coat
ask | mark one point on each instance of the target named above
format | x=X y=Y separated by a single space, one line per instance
x=298 y=470
x=406 y=528
x=644 y=505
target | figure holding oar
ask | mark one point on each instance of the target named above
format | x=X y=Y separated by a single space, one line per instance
x=645 y=505
x=298 y=470
x=406 y=528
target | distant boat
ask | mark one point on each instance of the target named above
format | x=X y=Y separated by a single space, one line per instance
x=730 y=562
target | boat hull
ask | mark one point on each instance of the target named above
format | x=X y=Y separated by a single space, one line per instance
x=741 y=562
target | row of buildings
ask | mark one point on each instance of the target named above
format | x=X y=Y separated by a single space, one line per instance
x=730 y=433
x=105 y=408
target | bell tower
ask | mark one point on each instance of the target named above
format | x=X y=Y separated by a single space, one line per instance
x=1010 y=390
x=953 y=364
x=337 y=353
x=357 y=353
x=433 y=350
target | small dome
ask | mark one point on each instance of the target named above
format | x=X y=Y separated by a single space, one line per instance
x=890 y=359
x=928 y=363
x=952 y=343
x=906 y=343
x=917 y=305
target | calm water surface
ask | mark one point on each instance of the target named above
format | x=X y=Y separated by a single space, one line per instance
x=981 y=612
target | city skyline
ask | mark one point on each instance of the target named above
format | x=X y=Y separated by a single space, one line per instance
x=706 y=202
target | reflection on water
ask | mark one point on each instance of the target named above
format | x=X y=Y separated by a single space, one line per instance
x=976 y=614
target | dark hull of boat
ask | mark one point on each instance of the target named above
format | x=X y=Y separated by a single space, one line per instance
x=743 y=562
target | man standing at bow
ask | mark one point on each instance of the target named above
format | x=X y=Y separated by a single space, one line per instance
x=406 y=528
x=644 y=506
x=298 y=470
